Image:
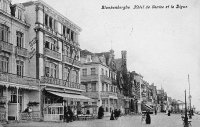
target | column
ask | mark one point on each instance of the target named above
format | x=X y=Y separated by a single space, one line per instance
x=108 y=104
x=6 y=103
x=17 y=103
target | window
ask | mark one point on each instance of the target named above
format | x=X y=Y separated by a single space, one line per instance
x=1 y=92
x=14 y=96
x=84 y=71
x=51 y=44
x=20 y=68
x=102 y=71
x=20 y=39
x=93 y=86
x=74 y=76
x=4 y=33
x=66 y=50
x=51 y=70
x=19 y=14
x=3 y=64
x=93 y=71
x=50 y=22
x=106 y=87
x=66 y=72
x=46 y=19
x=102 y=87
x=72 y=35
x=106 y=73
x=4 y=6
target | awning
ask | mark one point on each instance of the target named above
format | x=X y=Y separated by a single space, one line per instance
x=148 y=107
x=66 y=95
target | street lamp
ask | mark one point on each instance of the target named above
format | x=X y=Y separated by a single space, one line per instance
x=186 y=118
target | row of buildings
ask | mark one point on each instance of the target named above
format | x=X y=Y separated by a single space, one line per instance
x=43 y=67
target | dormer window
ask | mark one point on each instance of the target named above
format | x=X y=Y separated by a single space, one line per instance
x=19 y=14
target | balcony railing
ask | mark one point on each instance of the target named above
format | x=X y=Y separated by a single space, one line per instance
x=86 y=78
x=91 y=94
x=13 y=78
x=108 y=93
x=21 y=51
x=68 y=60
x=5 y=46
x=106 y=79
x=60 y=82
x=3 y=99
x=52 y=54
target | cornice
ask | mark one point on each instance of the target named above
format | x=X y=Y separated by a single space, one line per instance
x=14 y=18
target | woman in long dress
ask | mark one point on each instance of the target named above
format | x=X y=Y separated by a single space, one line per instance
x=148 y=118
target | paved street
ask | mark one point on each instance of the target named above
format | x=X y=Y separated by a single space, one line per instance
x=160 y=120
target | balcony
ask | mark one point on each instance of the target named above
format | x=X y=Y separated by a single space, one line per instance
x=21 y=51
x=91 y=94
x=106 y=79
x=69 y=60
x=52 y=54
x=108 y=94
x=5 y=46
x=3 y=99
x=13 y=78
x=89 y=78
x=60 y=82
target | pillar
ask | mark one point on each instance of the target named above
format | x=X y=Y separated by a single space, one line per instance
x=6 y=103
x=17 y=103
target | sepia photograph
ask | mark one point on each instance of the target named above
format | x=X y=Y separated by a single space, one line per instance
x=99 y=63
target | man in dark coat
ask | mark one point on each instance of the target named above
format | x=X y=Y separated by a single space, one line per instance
x=112 y=116
x=148 y=118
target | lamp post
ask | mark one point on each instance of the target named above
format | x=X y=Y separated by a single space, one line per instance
x=186 y=118
x=190 y=97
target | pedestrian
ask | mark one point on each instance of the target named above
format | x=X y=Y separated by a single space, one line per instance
x=148 y=118
x=112 y=116
x=71 y=114
x=116 y=114
x=155 y=112
x=65 y=113
x=169 y=112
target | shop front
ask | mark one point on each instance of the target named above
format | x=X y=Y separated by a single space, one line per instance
x=54 y=102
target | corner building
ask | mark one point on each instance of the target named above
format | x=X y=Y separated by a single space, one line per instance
x=57 y=60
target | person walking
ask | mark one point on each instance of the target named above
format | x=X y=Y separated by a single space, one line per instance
x=148 y=118
x=112 y=116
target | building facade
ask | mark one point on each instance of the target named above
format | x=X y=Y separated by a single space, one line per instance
x=17 y=87
x=40 y=62
x=99 y=77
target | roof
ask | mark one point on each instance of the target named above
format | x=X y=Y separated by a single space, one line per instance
x=118 y=63
x=85 y=53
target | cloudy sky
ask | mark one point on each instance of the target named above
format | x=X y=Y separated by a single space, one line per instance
x=162 y=44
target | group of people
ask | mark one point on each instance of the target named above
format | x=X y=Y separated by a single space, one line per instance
x=68 y=114
x=115 y=114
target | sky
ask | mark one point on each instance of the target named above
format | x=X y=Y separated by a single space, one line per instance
x=163 y=45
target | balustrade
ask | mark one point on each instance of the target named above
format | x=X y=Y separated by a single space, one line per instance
x=52 y=54
x=60 y=82
x=5 y=46
x=13 y=78
x=21 y=51
x=68 y=60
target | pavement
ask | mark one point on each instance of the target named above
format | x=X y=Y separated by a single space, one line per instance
x=159 y=120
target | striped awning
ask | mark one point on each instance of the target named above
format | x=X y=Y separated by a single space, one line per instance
x=148 y=107
x=66 y=95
